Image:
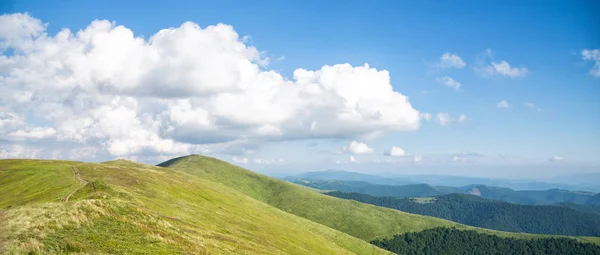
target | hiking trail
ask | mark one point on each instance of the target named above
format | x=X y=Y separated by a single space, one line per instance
x=81 y=181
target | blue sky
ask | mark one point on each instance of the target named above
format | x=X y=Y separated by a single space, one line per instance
x=407 y=39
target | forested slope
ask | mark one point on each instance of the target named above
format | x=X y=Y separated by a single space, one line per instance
x=492 y=214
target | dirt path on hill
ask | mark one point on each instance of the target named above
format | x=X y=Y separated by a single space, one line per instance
x=81 y=181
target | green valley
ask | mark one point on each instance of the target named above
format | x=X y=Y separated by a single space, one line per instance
x=475 y=211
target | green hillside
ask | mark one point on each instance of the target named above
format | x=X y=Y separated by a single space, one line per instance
x=365 y=221
x=475 y=211
x=125 y=207
x=198 y=205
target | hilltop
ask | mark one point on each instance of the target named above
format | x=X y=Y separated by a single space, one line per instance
x=364 y=221
x=127 y=207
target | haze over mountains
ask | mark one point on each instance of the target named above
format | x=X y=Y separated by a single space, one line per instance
x=575 y=182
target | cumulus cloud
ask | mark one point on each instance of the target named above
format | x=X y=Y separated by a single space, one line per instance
x=449 y=60
x=18 y=151
x=85 y=152
x=179 y=90
x=443 y=118
x=449 y=82
x=9 y=121
x=359 y=148
x=594 y=56
x=396 y=151
x=504 y=68
x=503 y=104
x=353 y=160
x=425 y=116
x=486 y=65
x=33 y=133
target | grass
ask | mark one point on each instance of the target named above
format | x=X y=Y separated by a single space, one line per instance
x=193 y=205
x=133 y=208
x=24 y=182
x=364 y=221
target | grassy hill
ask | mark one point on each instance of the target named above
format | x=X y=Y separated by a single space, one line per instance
x=475 y=211
x=193 y=205
x=364 y=221
x=125 y=207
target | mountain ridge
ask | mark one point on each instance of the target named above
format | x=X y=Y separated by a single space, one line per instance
x=526 y=197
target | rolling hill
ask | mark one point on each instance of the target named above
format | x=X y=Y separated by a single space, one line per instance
x=475 y=211
x=361 y=220
x=126 y=207
x=188 y=205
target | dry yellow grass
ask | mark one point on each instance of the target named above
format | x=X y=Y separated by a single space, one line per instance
x=129 y=208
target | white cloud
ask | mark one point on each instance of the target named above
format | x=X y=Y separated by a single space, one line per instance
x=397 y=152
x=33 y=133
x=86 y=152
x=555 y=158
x=9 y=121
x=18 y=151
x=417 y=159
x=425 y=116
x=443 y=118
x=449 y=60
x=180 y=90
x=18 y=30
x=240 y=160
x=353 y=160
x=532 y=106
x=487 y=66
x=359 y=148
x=594 y=56
x=504 y=68
x=503 y=104
x=449 y=82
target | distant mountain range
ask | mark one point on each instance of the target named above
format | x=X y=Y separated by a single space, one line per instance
x=479 y=212
x=524 y=197
x=577 y=182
